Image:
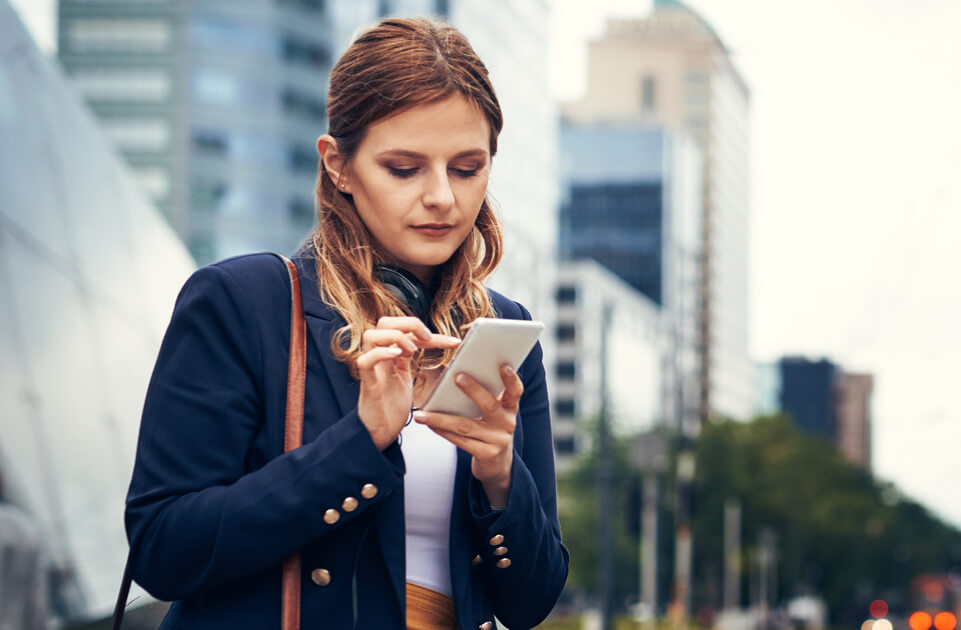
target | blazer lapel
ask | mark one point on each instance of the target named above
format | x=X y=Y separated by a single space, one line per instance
x=322 y=323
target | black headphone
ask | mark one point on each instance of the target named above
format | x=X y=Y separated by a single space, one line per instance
x=407 y=288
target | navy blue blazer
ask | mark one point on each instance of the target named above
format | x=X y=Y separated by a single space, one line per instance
x=215 y=506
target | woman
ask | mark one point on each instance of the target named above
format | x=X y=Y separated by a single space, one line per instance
x=393 y=519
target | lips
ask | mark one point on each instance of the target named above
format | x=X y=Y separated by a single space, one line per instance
x=433 y=229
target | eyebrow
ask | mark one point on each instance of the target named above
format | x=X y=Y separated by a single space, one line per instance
x=415 y=154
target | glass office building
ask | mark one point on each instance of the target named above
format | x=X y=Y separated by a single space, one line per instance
x=632 y=204
x=88 y=275
x=216 y=107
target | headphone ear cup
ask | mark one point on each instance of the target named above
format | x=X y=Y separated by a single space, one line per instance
x=405 y=286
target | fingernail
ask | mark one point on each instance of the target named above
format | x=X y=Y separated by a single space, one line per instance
x=394 y=350
x=460 y=378
x=509 y=368
x=420 y=415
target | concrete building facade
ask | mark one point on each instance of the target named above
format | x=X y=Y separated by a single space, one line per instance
x=671 y=68
x=636 y=364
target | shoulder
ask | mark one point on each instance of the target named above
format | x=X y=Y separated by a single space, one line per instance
x=249 y=278
x=506 y=307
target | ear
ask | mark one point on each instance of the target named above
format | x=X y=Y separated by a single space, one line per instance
x=334 y=162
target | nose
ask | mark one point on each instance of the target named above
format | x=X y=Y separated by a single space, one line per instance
x=438 y=193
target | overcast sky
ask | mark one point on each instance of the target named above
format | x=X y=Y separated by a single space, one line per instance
x=856 y=210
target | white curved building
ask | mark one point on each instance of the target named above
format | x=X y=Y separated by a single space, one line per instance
x=88 y=274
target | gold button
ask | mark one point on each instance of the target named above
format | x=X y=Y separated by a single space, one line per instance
x=477 y=560
x=321 y=577
x=350 y=504
x=503 y=563
x=485 y=626
x=500 y=551
x=496 y=540
x=369 y=491
x=331 y=516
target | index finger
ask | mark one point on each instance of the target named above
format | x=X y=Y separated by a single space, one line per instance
x=407 y=324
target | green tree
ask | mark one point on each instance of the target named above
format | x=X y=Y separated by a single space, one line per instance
x=840 y=533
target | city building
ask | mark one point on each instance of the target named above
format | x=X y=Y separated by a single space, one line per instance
x=672 y=69
x=854 y=418
x=809 y=394
x=89 y=271
x=611 y=340
x=216 y=107
x=632 y=204
x=824 y=400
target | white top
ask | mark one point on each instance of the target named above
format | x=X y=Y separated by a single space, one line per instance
x=428 y=495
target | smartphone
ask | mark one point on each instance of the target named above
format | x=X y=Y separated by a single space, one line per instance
x=489 y=344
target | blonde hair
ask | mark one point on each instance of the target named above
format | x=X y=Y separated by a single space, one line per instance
x=397 y=64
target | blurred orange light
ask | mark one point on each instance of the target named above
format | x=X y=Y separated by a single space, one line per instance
x=868 y=625
x=878 y=608
x=945 y=621
x=920 y=621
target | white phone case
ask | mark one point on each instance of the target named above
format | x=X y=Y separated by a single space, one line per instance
x=489 y=344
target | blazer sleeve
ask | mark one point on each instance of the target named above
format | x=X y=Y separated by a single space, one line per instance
x=524 y=592
x=196 y=516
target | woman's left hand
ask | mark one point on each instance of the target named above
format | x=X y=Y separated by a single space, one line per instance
x=490 y=439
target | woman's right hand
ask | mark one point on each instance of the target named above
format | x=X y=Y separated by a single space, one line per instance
x=386 y=374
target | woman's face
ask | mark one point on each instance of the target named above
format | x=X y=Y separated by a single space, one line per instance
x=418 y=180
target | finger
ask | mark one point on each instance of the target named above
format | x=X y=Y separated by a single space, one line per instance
x=369 y=360
x=491 y=408
x=478 y=448
x=387 y=337
x=513 y=388
x=407 y=324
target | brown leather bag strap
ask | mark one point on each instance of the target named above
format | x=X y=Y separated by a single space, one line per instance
x=294 y=435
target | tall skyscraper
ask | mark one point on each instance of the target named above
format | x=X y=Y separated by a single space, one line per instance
x=809 y=394
x=854 y=418
x=632 y=203
x=88 y=275
x=672 y=68
x=824 y=400
x=216 y=107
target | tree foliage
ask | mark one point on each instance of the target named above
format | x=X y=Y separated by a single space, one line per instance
x=840 y=533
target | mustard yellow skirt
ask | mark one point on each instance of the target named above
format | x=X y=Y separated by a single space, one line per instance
x=429 y=610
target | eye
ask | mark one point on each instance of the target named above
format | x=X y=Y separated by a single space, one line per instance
x=402 y=173
x=466 y=172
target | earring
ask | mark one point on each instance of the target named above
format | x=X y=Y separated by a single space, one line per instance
x=343 y=186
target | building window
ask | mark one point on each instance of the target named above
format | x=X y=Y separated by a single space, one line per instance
x=154 y=180
x=305 y=52
x=564 y=445
x=648 y=94
x=298 y=103
x=302 y=158
x=566 y=332
x=316 y=6
x=566 y=370
x=567 y=295
x=301 y=210
x=122 y=85
x=138 y=134
x=564 y=407
x=117 y=34
x=209 y=142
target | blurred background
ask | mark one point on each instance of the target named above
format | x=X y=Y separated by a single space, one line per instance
x=737 y=218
